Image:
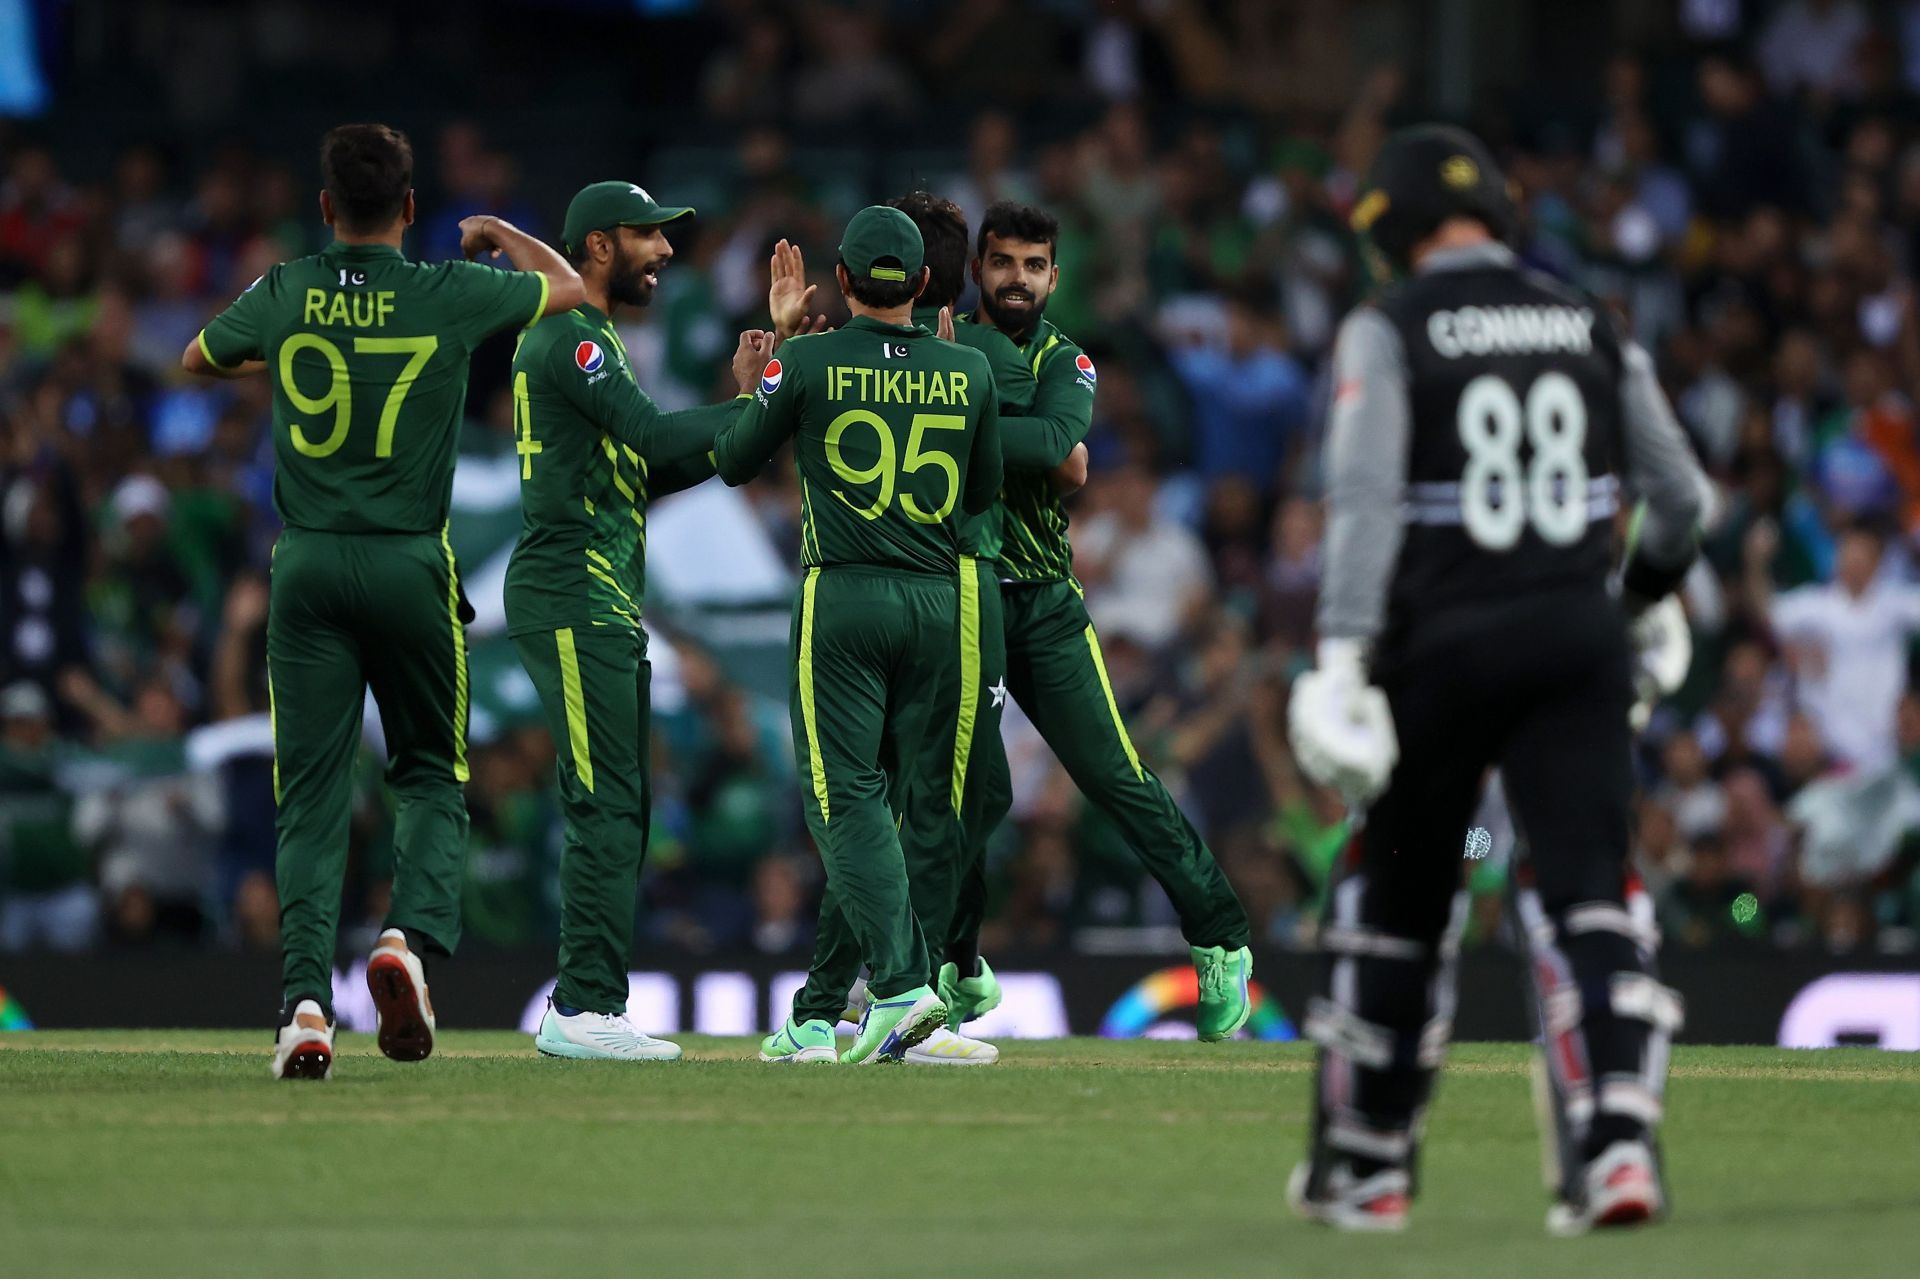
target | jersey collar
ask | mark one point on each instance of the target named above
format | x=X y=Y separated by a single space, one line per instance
x=869 y=323
x=363 y=252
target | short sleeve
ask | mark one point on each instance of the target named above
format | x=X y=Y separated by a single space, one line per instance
x=237 y=334
x=484 y=300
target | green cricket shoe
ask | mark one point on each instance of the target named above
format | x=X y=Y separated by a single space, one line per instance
x=968 y=997
x=1225 y=1003
x=812 y=1041
x=892 y=1026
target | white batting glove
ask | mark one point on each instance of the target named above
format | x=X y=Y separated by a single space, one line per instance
x=1340 y=725
x=1662 y=655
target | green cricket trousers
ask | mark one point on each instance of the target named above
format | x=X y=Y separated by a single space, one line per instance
x=874 y=718
x=595 y=685
x=350 y=612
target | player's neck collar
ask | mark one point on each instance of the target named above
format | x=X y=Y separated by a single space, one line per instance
x=868 y=322
x=341 y=249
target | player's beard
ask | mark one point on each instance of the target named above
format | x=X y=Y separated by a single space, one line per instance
x=1017 y=325
x=627 y=282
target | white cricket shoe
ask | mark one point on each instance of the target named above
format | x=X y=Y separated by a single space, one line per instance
x=1373 y=1205
x=599 y=1037
x=397 y=980
x=304 y=1047
x=950 y=1048
x=1622 y=1190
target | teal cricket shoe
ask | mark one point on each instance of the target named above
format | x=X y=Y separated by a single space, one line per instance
x=812 y=1041
x=1225 y=1001
x=968 y=997
x=894 y=1025
x=589 y=1036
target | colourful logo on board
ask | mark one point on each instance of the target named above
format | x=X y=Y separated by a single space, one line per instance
x=1177 y=990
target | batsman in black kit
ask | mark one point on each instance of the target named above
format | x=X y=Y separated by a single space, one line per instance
x=1488 y=423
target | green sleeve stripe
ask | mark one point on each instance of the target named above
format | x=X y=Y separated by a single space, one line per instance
x=540 y=310
x=202 y=340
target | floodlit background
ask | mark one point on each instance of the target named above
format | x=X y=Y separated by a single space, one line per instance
x=1740 y=178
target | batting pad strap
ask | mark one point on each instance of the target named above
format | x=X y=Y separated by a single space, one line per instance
x=1640 y=997
x=1346 y=1133
x=1434 y=1038
x=1347 y=1033
x=1629 y=1098
x=1369 y=943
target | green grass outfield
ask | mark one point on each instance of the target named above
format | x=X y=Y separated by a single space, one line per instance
x=162 y=1153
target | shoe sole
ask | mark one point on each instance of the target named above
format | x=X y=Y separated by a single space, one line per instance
x=405 y=1034
x=909 y=1059
x=806 y=1056
x=309 y=1061
x=575 y=1052
x=914 y=1029
x=1564 y=1223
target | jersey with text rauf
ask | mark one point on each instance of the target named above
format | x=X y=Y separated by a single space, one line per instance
x=896 y=435
x=1512 y=485
x=367 y=353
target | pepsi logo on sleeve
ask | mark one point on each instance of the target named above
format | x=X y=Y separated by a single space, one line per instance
x=589 y=357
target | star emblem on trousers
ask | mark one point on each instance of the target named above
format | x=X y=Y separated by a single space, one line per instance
x=999 y=691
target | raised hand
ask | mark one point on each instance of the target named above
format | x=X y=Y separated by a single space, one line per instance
x=788 y=294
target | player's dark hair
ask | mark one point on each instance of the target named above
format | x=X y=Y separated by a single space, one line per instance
x=882 y=295
x=943 y=230
x=367 y=170
x=1008 y=220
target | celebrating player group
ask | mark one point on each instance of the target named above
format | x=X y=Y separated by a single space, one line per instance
x=1487 y=426
x=932 y=470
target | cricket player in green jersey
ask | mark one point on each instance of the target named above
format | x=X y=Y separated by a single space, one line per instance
x=896 y=434
x=593 y=451
x=368 y=357
x=1054 y=665
x=978 y=786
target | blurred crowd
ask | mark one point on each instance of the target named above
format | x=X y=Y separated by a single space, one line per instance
x=1750 y=204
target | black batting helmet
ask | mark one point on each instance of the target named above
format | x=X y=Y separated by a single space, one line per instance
x=1422 y=177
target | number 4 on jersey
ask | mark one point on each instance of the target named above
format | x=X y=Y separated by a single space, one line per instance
x=1498 y=496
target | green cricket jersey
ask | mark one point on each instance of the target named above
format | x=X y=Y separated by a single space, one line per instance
x=593 y=448
x=1033 y=519
x=895 y=433
x=368 y=356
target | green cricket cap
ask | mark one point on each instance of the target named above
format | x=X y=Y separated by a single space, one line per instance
x=882 y=244
x=606 y=205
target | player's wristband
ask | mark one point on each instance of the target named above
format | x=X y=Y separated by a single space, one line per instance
x=1643 y=584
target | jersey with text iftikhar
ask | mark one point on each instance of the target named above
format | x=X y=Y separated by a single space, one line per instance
x=593 y=449
x=1511 y=476
x=894 y=431
x=1033 y=524
x=1014 y=385
x=368 y=355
